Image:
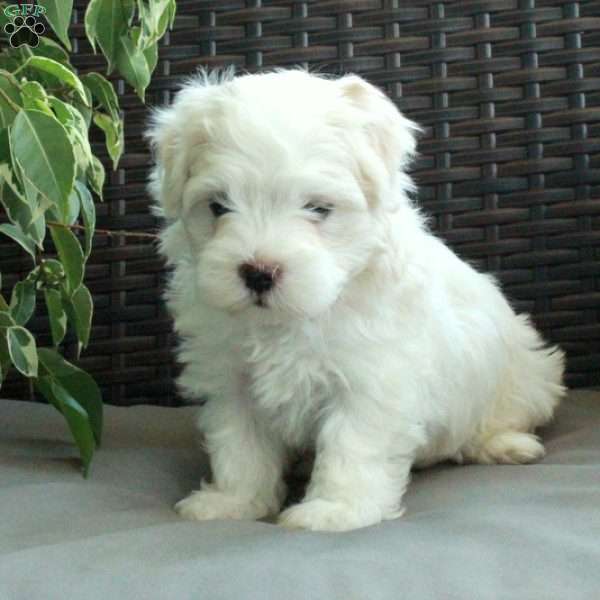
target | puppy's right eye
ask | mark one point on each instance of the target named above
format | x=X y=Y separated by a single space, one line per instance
x=218 y=209
x=321 y=210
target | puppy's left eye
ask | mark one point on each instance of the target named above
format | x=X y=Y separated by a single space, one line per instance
x=218 y=209
x=323 y=210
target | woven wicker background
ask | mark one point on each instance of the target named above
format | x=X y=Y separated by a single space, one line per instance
x=509 y=94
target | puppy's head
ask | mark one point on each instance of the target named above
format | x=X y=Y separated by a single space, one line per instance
x=282 y=181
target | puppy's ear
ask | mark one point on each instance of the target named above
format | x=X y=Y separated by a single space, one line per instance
x=171 y=171
x=390 y=135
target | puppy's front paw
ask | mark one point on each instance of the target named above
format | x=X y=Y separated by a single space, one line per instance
x=328 y=515
x=207 y=505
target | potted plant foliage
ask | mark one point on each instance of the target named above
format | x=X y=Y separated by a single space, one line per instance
x=49 y=178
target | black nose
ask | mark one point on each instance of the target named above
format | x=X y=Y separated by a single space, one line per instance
x=258 y=278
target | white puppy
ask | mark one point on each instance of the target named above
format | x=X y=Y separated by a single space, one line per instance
x=315 y=309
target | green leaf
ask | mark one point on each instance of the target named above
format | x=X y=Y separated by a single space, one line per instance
x=88 y=212
x=37 y=230
x=56 y=315
x=90 y=21
x=52 y=272
x=18 y=235
x=22 y=350
x=167 y=17
x=35 y=90
x=155 y=17
x=83 y=308
x=74 y=208
x=105 y=22
x=44 y=154
x=50 y=49
x=34 y=96
x=77 y=130
x=133 y=66
x=95 y=175
x=75 y=415
x=57 y=70
x=62 y=110
x=172 y=11
x=10 y=98
x=16 y=205
x=151 y=56
x=78 y=123
x=6 y=319
x=27 y=210
x=57 y=214
x=103 y=92
x=34 y=198
x=78 y=383
x=70 y=254
x=58 y=14
x=86 y=111
x=22 y=301
x=113 y=134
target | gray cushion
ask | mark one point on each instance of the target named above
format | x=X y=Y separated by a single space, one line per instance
x=530 y=532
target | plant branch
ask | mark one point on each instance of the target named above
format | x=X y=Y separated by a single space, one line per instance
x=109 y=232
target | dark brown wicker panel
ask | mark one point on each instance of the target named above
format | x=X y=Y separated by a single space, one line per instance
x=509 y=94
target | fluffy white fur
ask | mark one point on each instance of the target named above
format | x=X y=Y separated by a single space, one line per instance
x=378 y=346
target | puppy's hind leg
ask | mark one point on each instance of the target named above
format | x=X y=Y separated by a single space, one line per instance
x=532 y=388
x=504 y=447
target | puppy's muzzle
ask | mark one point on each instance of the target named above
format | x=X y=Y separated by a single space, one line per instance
x=259 y=278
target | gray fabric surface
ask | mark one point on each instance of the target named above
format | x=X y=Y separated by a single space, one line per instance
x=471 y=532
